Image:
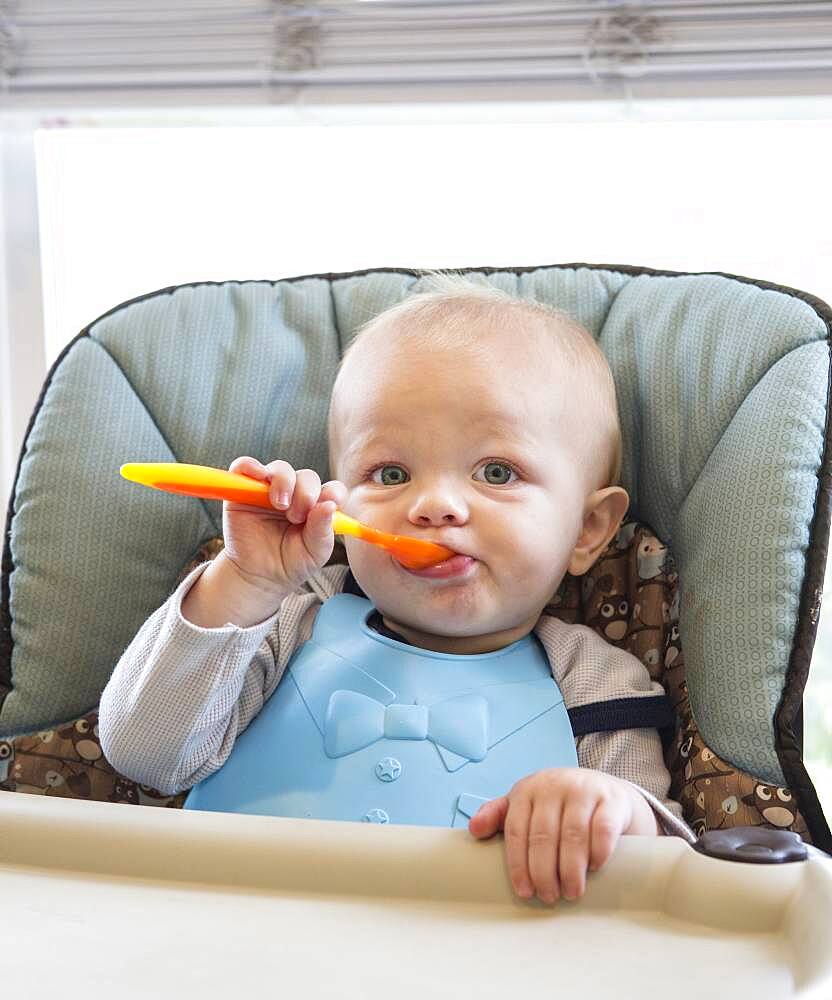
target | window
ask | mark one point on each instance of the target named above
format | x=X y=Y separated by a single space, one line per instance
x=128 y=210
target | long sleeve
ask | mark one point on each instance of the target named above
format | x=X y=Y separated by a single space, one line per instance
x=180 y=694
x=588 y=669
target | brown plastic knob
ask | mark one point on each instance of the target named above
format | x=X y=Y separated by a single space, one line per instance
x=759 y=845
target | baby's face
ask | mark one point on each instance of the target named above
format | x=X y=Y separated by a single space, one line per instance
x=480 y=457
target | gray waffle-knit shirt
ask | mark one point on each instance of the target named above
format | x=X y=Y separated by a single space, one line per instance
x=180 y=695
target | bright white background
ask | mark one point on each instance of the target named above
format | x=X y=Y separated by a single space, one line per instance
x=738 y=186
x=126 y=211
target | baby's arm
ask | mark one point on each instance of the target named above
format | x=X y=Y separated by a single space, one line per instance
x=181 y=694
x=635 y=756
x=560 y=821
x=198 y=672
x=589 y=670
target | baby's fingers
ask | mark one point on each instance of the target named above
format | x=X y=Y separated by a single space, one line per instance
x=334 y=490
x=606 y=829
x=516 y=834
x=317 y=533
x=543 y=847
x=304 y=493
x=247 y=466
x=573 y=857
x=489 y=818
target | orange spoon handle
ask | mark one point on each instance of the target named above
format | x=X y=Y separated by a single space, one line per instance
x=199 y=481
x=217 y=484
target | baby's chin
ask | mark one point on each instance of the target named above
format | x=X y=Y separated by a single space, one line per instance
x=460 y=584
x=447 y=628
x=472 y=638
x=449 y=611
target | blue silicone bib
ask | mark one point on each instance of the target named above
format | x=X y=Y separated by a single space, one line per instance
x=363 y=727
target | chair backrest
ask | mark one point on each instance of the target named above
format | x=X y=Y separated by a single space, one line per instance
x=722 y=386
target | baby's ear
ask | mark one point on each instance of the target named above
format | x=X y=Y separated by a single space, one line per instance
x=605 y=512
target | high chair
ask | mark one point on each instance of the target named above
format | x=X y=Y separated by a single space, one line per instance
x=714 y=581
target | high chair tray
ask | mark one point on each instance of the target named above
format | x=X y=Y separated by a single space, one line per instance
x=135 y=901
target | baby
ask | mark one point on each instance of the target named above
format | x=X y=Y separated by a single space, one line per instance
x=466 y=417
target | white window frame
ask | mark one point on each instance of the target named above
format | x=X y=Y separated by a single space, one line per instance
x=22 y=346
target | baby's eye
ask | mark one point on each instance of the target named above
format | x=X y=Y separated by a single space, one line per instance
x=395 y=475
x=497 y=473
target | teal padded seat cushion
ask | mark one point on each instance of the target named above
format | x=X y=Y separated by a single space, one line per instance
x=722 y=387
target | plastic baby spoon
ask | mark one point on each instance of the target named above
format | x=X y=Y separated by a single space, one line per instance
x=218 y=484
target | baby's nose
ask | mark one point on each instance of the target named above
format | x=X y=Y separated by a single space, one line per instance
x=444 y=519
x=438 y=510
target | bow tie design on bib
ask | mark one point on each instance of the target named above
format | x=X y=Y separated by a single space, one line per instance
x=354 y=721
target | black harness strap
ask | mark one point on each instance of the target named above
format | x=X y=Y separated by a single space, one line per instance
x=653 y=712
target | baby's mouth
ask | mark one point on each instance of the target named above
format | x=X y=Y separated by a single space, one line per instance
x=458 y=565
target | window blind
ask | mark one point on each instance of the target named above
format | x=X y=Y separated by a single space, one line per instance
x=264 y=50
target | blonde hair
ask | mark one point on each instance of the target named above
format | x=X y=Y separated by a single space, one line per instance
x=438 y=313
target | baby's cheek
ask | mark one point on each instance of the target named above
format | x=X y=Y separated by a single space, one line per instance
x=534 y=561
x=366 y=560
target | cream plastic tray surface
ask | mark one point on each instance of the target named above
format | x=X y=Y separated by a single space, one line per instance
x=135 y=901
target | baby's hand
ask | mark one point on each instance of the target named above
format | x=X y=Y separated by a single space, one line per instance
x=279 y=549
x=557 y=823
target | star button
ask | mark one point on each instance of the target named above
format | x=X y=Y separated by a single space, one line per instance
x=388 y=769
x=376 y=816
